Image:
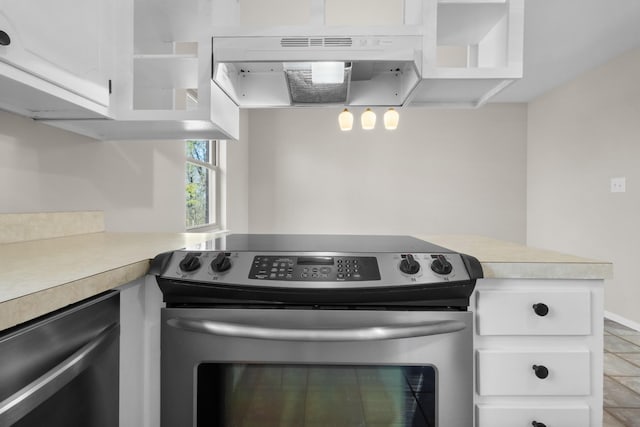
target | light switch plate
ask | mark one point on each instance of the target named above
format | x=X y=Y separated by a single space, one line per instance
x=618 y=185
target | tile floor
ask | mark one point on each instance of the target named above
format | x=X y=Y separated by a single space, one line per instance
x=621 y=375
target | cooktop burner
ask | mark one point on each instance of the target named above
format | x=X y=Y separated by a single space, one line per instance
x=334 y=270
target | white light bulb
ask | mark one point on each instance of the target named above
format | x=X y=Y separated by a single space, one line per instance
x=345 y=120
x=368 y=119
x=391 y=119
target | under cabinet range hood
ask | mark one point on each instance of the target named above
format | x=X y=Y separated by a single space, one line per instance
x=284 y=71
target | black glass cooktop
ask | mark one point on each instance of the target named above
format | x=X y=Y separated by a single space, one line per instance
x=322 y=243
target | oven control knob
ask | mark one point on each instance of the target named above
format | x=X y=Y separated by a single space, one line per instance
x=190 y=262
x=220 y=263
x=409 y=265
x=440 y=265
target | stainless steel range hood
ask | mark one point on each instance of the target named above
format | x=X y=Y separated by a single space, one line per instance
x=279 y=71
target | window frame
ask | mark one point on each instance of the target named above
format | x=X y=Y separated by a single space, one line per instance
x=214 y=191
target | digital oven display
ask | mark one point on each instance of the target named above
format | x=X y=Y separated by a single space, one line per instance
x=315 y=268
x=315 y=260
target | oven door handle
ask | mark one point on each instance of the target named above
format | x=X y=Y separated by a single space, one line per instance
x=25 y=400
x=367 y=333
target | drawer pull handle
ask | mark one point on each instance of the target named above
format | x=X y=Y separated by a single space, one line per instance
x=5 y=40
x=541 y=309
x=537 y=424
x=541 y=371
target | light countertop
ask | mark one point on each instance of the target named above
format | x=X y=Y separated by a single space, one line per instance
x=37 y=277
x=507 y=260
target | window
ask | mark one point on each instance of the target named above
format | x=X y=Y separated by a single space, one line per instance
x=201 y=183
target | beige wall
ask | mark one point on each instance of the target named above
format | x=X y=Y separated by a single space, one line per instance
x=138 y=184
x=579 y=136
x=441 y=171
x=237 y=180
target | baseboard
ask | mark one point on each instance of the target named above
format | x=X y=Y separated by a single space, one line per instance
x=622 y=320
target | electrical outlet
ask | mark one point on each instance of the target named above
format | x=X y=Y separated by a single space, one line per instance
x=618 y=185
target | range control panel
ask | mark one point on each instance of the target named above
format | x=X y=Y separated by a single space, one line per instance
x=255 y=268
x=314 y=268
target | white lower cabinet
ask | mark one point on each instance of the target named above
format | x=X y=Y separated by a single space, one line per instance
x=533 y=373
x=140 y=303
x=528 y=416
x=539 y=352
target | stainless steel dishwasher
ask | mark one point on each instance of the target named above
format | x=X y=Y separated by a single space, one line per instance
x=62 y=369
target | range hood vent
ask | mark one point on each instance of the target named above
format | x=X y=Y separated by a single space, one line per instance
x=276 y=71
x=298 y=42
x=304 y=91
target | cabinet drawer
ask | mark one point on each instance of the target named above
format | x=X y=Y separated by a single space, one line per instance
x=507 y=373
x=509 y=416
x=513 y=312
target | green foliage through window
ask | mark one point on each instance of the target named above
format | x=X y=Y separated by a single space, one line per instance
x=200 y=182
x=198 y=150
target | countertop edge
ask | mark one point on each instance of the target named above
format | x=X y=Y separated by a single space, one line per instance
x=547 y=270
x=28 y=307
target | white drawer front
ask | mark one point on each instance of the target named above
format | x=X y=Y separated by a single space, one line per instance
x=507 y=373
x=508 y=416
x=512 y=312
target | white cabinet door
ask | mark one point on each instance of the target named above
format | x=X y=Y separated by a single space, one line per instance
x=61 y=42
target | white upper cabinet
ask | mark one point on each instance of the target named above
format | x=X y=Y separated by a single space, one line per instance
x=54 y=61
x=162 y=87
x=351 y=13
x=472 y=50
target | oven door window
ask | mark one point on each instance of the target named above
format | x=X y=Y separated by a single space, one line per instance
x=272 y=395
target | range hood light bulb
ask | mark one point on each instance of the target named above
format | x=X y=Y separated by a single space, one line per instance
x=345 y=120
x=391 y=119
x=368 y=119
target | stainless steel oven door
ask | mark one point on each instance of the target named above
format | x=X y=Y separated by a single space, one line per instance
x=273 y=367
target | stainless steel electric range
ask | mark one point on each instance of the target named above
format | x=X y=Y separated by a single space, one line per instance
x=316 y=330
